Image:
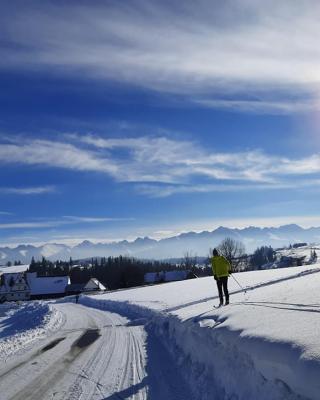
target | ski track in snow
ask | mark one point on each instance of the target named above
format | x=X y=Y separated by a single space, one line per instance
x=95 y=355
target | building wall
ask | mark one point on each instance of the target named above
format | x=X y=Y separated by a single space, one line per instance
x=19 y=290
x=16 y=296
x=47 y=286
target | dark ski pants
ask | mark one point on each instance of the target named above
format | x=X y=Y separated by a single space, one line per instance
x=223 y=283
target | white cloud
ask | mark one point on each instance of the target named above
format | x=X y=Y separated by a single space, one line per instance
x=172 y=165
x=94 y=219
x=307 y=165
x=28 y=190
x=262 y=106
x=53 y=154
x=200 y=48
x=169 y=190
x=63 y=221
x=30 y=225
x=174 y=161
x=160 y=159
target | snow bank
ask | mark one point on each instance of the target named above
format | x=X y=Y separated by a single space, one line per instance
x=23 y=324
x=263 y=346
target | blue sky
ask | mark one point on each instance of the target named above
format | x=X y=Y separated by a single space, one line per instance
x=126 y=119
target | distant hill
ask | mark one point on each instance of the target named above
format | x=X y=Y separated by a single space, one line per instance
x=173 y=247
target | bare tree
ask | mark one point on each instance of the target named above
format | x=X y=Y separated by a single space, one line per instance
x=189 y=260
x=233 y=250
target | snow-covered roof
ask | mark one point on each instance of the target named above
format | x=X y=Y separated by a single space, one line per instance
x=94 y=284
x=14 y=268
x=47 y=284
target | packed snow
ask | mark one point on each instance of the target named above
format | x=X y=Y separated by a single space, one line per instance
x=95 y=355
x=168 y=341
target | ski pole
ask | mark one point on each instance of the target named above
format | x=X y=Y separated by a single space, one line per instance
x=242 y=288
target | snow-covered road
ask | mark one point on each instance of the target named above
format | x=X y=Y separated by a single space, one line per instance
x=95 y=355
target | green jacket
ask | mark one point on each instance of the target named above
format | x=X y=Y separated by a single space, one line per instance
x=220 y=266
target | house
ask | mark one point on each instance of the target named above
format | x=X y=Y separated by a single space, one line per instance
x=291 y=261
x=14 y=287
x=93 y=285
x=297 y=245
x=180 y=275
x=74 y=288
x=166 y=276
x=42 y=287
x=154 y=277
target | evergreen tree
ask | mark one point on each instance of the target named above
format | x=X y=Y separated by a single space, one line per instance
x=262 y=255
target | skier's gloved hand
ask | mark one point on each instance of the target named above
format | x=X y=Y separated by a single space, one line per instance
x=215 y=277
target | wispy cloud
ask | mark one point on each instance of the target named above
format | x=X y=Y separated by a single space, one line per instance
x=262 y=106
x=169 y=190
x=30 y=225
x=199 y=49
x=94 y=219
x=53 y=154
x=28 y=190
x=63 y=221
x=171 y=165
x=180 y=160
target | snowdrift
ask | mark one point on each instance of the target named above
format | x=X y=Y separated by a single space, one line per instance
x=21 y=325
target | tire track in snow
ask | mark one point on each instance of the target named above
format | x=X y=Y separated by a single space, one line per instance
x=39 y=386
x=103 y=356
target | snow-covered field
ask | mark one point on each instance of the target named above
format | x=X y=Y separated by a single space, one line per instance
x=264 y=345
x=169 y=342
x=303 y=251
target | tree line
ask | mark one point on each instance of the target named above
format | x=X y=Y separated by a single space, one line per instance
x=123 y=272
x=113 y=272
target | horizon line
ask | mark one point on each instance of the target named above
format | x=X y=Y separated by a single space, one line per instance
x=95 y=241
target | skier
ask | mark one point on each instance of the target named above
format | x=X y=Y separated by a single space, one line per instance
x=221 y=270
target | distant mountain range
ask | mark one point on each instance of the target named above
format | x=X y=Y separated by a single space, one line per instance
x=173 y=247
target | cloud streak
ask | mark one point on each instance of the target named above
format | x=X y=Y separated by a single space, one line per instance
x=172 y=165
x=54 y=223
x=53 y=154
x=28 y=190
x=208 y=50
x=76 y=219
